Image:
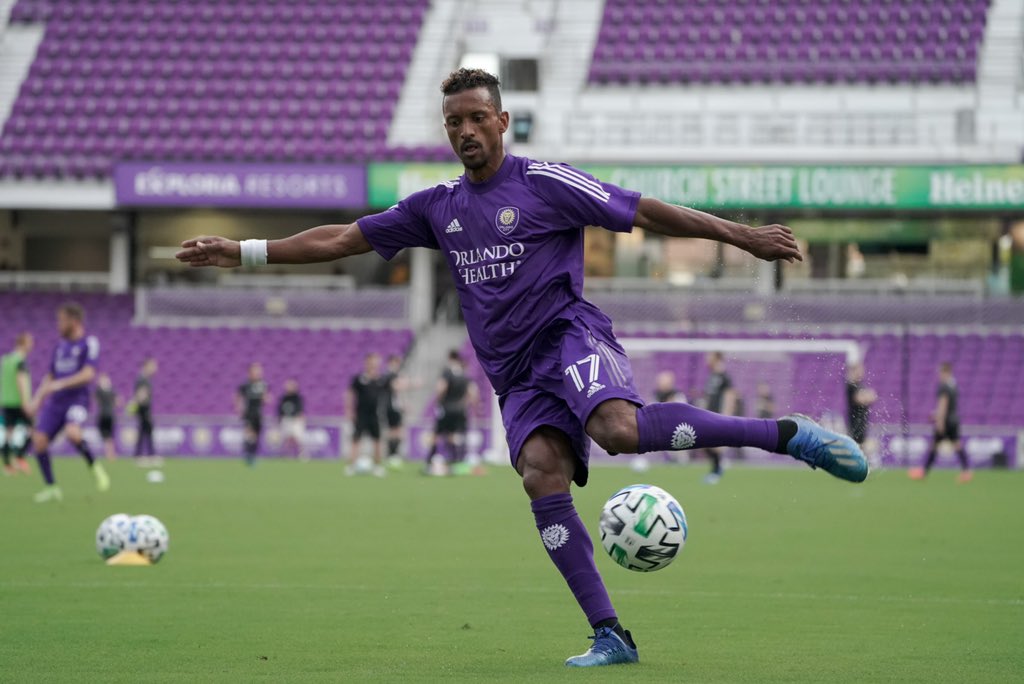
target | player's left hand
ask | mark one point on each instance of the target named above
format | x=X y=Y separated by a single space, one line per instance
x=773 y=243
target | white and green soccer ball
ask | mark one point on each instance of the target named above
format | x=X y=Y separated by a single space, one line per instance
x=643 y=528
x=112 y=534
x=148 y=536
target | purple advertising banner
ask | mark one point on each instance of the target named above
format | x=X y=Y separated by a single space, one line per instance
x=295 y=186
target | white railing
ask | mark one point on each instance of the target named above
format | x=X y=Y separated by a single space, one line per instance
x=54 y=280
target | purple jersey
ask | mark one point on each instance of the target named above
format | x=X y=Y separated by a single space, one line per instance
x=514 y=244
x=69 y=357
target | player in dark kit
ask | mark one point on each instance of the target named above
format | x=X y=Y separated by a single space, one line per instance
x=511 y=231
x=363 y=407
x=106 y=402
x=291 y=419
x=249 y=402
x=719 y=397
x=62 y=399
x=947 y=426
x=393 y=387
x=455 y=394
x=142 y=400
x=858 y=403
x=15 y=396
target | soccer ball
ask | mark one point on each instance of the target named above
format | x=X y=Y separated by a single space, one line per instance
x=112 y=534
x=148 y=536
x=642 y=528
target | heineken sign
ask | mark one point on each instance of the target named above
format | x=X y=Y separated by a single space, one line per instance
x=770 y=187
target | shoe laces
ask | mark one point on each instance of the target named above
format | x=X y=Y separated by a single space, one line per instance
x=819 y=453
x=603 y=643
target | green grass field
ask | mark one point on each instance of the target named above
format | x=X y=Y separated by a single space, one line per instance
x=291 y=572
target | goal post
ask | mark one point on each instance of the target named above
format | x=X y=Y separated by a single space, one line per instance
x=803 y=375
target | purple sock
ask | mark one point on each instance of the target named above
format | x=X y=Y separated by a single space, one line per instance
x=572 y=552
x=45 y=467
x=676 y=426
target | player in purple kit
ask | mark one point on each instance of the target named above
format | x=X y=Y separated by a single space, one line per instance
x=62 y=400
x=511 y=230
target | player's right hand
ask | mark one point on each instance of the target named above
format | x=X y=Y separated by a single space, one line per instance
x=210 y=251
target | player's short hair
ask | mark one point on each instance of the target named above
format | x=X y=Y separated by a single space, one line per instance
x=946 y=367
x=468 y=79
x=72 y=310
x=716 y=356
x=454 y=355
x=23 y=338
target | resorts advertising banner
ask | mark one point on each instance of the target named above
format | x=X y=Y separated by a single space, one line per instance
x=768 y=187
x=293 y=186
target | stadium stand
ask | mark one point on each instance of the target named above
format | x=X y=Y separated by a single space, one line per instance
x=789 y=41
x=230 y=81
x=200 y=368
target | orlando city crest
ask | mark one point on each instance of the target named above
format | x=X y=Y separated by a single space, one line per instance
x=506 y=220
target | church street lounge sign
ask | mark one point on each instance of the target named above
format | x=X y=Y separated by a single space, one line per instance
x=769 y=187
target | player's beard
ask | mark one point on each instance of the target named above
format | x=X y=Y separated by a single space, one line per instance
x=475 y=164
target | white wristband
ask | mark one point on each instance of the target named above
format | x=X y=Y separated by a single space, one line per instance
x=253 y=252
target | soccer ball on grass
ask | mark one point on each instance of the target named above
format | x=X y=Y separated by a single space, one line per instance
x=112 y=534
x=148 y=536
x=643 y=527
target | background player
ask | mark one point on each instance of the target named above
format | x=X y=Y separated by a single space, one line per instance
x=858 y=403
x=394 y=387
x=719 y=397
x=62 y=399
x=455 y=395
x=363 y=405
x=291 y=417
x=947 y=425
x=249 y=404
x=561 y=377
x=142 y=400
x=107 y=402
x=15 y=395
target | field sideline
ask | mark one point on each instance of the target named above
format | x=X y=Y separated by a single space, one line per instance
x=291 y=572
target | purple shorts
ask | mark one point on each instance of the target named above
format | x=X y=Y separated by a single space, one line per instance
x=575 y=366
x=56 y=414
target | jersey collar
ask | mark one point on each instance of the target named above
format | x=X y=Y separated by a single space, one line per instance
x=492 y=182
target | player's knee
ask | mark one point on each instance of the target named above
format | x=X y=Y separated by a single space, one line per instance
x=613 y=427
x=40 y=441
x=546 y=467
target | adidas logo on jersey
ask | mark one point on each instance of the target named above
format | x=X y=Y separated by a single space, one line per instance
x=454 y=227
x=595 y=387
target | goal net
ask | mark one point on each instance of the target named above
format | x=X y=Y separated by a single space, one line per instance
x=799 y=375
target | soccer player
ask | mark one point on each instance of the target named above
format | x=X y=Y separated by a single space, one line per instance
x=719 y=397
x=107 y=401
x=455 y=394
x=15 y=395
x=511 y=231
x=394 y=387
x=291 y=418
x=947 y=426
x=62 y=399
x=858 y=403
x=142 y=400
x=665 y=389
x=249 y=404
x=363 y=406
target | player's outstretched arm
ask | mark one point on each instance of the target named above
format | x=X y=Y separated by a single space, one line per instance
x=323 y=243
x=770 y=243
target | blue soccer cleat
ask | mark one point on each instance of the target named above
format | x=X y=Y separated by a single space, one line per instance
x=834 y=453
x=608 y=649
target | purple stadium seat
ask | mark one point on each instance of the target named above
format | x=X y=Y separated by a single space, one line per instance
x=920 y=42
x=283 y=62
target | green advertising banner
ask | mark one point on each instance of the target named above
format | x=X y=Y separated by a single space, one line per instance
x=769 y=187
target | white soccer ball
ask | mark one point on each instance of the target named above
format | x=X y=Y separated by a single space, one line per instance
x=643 y=528
x=112 y=534
x=148 y=536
